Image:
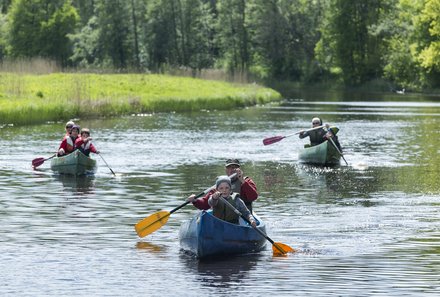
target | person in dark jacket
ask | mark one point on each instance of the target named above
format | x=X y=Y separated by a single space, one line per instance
x=321 y=134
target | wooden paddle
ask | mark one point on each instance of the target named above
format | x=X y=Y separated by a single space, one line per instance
x=340 y=153
x=106 y=164
x=273 y=139
x=160 y=218
x=278 y=248
x=39 y=161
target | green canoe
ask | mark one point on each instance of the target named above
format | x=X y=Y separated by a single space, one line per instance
x=75 y=163
x=324 y=154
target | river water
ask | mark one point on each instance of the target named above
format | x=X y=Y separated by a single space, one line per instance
x=369 y=228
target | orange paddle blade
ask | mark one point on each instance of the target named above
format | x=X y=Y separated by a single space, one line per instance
x=281 y=249
x=152 y=223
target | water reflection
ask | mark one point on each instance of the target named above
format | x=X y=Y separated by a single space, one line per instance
x=222 y=272
x=366 y=228
x=84 y=184
x=150 y=247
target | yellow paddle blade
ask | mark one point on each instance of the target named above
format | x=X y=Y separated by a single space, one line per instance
x=281 y=249
x=152 y=223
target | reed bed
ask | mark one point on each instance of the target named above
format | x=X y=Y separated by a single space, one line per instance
x=30 y=98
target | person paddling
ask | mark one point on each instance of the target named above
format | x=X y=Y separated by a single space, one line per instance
x=221 y=210
x=244 y=185
x=68 y=143
x=318 y=136
x=84 y=143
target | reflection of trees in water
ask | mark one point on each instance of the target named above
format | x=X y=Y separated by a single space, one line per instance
x=223 y=271
x=80 y=184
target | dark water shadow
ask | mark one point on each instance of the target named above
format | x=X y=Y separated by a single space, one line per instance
x=223 y=271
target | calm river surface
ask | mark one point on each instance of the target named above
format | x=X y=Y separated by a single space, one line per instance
x=370 y=228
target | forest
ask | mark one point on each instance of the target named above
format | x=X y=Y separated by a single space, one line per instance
x=345 y=42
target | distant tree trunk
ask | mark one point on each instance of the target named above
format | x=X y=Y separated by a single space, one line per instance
x=136 y=42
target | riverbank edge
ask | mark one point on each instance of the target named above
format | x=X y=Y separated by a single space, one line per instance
x=31 y=99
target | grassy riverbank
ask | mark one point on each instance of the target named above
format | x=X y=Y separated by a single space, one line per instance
x=30 y=99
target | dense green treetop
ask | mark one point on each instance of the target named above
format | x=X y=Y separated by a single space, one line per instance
x=351 y=41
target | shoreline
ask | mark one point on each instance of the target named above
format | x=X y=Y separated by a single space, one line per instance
x=27 y=99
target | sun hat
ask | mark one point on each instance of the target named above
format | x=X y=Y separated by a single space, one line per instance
x=223 y=179
x=69 y=124
x=317 y=120
x=230 y=162
x=76 y=127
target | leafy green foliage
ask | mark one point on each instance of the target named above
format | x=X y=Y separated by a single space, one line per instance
x=308 y=41
x=39 y=28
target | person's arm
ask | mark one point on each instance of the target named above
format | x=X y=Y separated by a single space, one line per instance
x=78 y=142
x=202 y=202
x=93 y=149
x=248 y=190
x=241 y=207
x=62 y=148
x=213 y=199
x=303 y=134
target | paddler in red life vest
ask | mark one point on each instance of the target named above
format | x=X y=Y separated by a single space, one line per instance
x=84 y=143
x=68 y=127
x=68 y=144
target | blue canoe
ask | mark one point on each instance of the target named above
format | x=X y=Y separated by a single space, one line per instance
x=207 y=236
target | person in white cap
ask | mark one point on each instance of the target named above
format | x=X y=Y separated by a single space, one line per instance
x=320 y=135
x=223 y=211
x=68 y=128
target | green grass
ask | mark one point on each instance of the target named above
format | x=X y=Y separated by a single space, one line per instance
x=30 y=99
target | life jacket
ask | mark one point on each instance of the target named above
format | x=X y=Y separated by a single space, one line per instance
x=70 y=144
x=224 y=212
x=317 y=136
x=85 y=148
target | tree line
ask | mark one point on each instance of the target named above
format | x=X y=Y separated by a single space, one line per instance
x=348 y=41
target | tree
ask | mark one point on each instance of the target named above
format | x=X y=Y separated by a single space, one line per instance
x=40 y=28
x=400 y=62
x=284 y=34
x=179 y=33
x=429 y=55
x=233 y=35
x=114 y=43
x=347 y=43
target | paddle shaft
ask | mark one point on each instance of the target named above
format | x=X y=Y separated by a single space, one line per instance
x=299 y=132
x=274 y=139
x=107 y=164
x=39 y=161
x=336 y=147
x=155 y=221
x=255 y=228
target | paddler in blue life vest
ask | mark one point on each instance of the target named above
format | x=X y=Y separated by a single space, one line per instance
x=319 y=135
x=223 y=211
